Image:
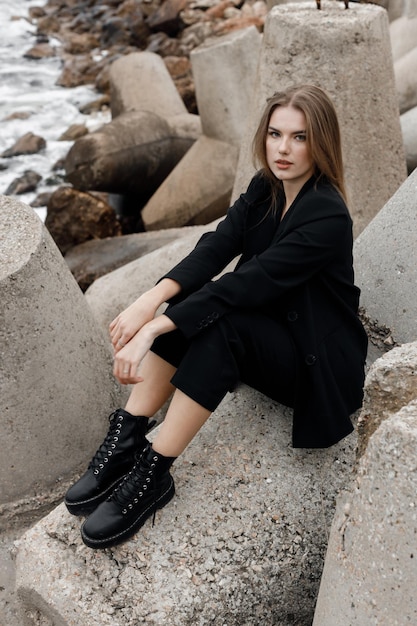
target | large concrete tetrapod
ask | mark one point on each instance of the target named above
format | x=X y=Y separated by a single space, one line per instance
x=56 y=383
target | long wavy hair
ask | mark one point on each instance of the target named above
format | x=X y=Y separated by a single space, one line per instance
x=322 y=136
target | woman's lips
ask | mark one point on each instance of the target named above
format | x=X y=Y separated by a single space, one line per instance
x=283 y=164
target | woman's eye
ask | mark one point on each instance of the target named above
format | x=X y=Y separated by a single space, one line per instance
x=273 y=133
x=300 y=137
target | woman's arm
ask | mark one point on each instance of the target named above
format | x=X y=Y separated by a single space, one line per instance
x=216 y=249
x=318 y=238
x=140 y=312
x=128 y=359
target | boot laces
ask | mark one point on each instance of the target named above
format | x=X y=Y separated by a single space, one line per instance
x=109 y=444
x=135 y=484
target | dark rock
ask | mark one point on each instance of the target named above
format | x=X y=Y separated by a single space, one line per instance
x=48 y=24
x=181 y=73
x=135 y=23
x=80 y=43
x=78 y=70
x=74 y=217
x=28 y=182
x=163 y=45
x=41 y=200
x=75 y=131
x=42 y=38
x=18 y=115
x=54 y=179
x=40 y=51
x=239 y=22
x=132 y=154
x=59 y=165
x=178 y=67
x=96 y=105
x=167 y=17
x=36 y=12
x=114 y=32
x=92 y=259
x=28 y=144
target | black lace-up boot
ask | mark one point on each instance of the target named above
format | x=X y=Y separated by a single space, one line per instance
x=148 y=486
x=114 y=458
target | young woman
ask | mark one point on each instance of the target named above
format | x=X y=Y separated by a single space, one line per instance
x=285 y=322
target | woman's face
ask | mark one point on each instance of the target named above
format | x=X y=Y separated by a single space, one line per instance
x=287 y=153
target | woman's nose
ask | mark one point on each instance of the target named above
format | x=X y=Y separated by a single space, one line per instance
x=283 y=145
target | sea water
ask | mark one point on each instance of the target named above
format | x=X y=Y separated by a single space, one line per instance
x=29 y=87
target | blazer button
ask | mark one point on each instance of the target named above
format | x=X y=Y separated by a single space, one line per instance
x=310 y=359
x=292 y=316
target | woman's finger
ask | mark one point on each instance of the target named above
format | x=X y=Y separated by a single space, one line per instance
x=127 y=374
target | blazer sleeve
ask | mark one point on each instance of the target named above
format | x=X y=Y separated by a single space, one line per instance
x=312 y=238
x=215 y=250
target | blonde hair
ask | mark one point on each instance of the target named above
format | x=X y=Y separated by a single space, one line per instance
x=322 y=135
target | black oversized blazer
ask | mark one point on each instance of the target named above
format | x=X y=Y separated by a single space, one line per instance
x=300 y=271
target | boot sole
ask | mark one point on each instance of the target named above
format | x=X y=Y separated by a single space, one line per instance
x=85 y=507
x=126 y=534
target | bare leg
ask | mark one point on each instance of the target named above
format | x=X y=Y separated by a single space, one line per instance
x=151 y=394
x=184 y=417
x=183 y=420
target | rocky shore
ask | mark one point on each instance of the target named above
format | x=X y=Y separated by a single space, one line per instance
x=89 y=36
x=93 y=34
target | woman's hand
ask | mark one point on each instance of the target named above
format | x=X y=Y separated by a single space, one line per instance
x=127 y=360
x=143 y=310
x=131 y=320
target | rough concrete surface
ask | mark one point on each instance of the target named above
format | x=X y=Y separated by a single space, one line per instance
x=371 y=564
x=51 y=394
x=391 y=383
x=385 y=263
x=242 y=542
x=224 y=71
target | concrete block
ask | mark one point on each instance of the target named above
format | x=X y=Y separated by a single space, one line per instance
x=385 y=263
x=115 y=291
x=56 y=382
x=198 y=189
x=403 y=36
x=97 y=257
x=370 y=570
x=338 y=50
x=141 y=82
x=224 y=71
x=242 y=542
x=410 y=8
x=391 y=383
x=132 y=154
x=405 y=78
